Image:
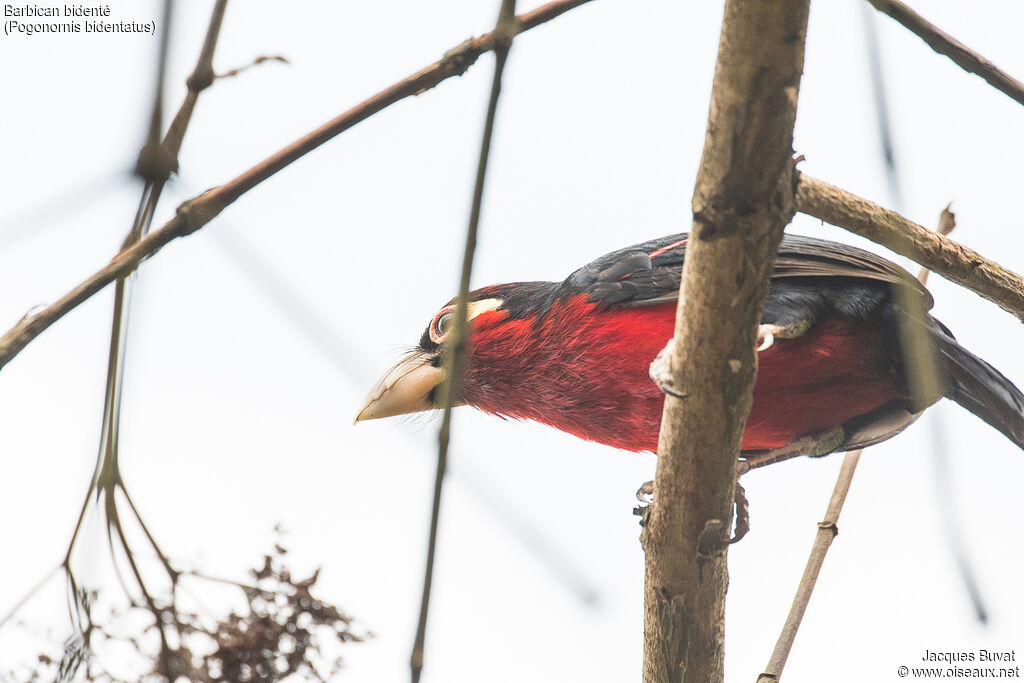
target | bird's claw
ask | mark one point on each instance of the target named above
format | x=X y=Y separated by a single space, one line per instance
x=714 y=539
x=645 y=494
x=742 y=525
x=765 y=337
x=661 y=373
x=767 y=334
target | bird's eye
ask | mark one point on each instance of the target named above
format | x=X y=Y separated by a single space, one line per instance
x=442 y=325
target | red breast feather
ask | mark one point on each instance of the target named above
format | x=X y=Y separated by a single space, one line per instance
x=583 y=368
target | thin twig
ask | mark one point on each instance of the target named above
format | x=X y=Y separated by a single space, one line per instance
x=150 y=165
x=107 y=472
x=217 y=579
x=827 y=531
x=454 y=365
x=28 y=595
x=194 y=214
x=155 y=167
x=945 y=44
x=953 y=261
x=168 y=567
x=947 y=223
x=256 y=62
x=114 y=520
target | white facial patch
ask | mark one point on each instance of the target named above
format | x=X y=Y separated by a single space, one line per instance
x=475 y=308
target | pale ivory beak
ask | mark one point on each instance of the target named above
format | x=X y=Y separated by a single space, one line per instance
x=403 y=389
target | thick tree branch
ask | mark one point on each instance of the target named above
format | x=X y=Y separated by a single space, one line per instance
x=742 y=201
x=936 y=252
x=947 y=45
x=196 y=213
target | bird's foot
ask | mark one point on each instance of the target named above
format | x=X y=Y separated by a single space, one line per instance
x=815 y=444
x=767 y=334
x=645 y=494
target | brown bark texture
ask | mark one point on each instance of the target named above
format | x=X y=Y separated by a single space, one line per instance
x=742 y=201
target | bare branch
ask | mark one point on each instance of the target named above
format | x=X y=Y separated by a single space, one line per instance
x=151 y=165
x=742 y=201
x=827 y=531
x=157 y=159
x=949 y=259
x=196 y=213
x=947 y=45
x=202 y=77
x=455 y=359
x=262 y=59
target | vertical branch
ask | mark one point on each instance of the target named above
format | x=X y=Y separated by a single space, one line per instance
x=454 y=362
x=742 y=201
x=157 y=160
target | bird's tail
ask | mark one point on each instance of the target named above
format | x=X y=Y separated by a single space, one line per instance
x=979 y=387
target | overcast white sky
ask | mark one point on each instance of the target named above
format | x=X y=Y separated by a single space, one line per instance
x=236 y=417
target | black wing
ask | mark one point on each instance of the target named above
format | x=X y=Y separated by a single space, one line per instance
x=650 y=272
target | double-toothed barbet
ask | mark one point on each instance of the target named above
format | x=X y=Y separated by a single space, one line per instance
x=576 y=354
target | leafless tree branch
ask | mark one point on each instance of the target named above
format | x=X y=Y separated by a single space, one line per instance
x=196 y=213
x=742 y=201
x=157 y=160
x=945 y=44
x=262 y=59
x=953 y=261
x=827 y=531
x=454 y=363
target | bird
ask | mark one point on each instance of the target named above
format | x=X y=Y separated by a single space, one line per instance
x=832 y=371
